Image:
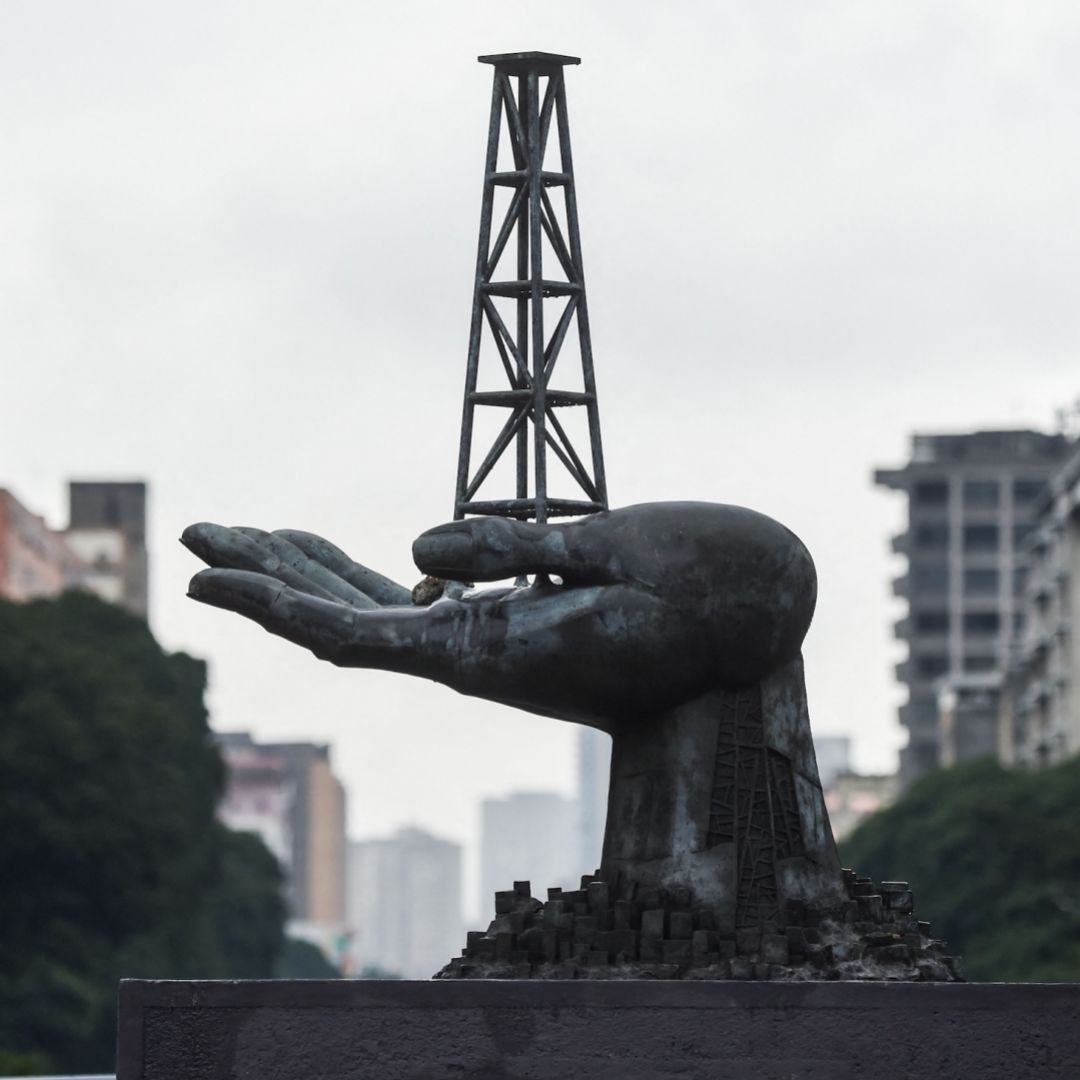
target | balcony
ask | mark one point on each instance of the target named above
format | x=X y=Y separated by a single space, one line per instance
x=1038 y=587
x=1035 y=696
x=1035 y=648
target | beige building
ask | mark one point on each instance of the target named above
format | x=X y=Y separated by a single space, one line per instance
x=852 y=797
x=289 y=795
x=1041 y=711
x=258 y=795
x=324 y=884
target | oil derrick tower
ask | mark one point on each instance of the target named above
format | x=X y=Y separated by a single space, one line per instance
x=528 y=312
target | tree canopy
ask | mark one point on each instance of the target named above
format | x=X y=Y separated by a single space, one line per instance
x=112 y=862
x=994 y=858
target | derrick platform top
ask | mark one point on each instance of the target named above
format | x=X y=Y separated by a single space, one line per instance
x=519 y=63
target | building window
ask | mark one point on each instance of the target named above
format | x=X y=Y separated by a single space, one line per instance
x=981 y=623
x=111 y=513
x=930 y=579
x=931 y=665
x=932 y=622
x=930 y=493
x=1021 y=532
x=1027 y=491
x=980 y=663
x=980 y=538
x=982 y=494
x=980 y=582
x=932 y=536
x=1019 y=579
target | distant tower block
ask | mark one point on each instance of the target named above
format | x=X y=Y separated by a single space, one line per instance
x=525 y=306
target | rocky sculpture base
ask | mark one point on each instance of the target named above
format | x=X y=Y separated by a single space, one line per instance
x=589 y=933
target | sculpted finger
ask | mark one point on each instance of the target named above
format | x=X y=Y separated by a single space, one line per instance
x=308 y=567
x=410 y=640
x=324 y=627
x=490 y=548
x=381 y=589
x=230 y=549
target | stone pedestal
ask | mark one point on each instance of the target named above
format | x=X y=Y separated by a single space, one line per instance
x=292 y=1030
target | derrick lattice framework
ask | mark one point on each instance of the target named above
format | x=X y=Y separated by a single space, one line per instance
x=528 y=106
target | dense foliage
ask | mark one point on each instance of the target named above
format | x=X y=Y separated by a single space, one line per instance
x=111 y=861
x=302 y=960
x=994 y=859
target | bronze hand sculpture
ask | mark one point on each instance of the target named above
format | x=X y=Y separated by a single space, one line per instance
x=675 y=627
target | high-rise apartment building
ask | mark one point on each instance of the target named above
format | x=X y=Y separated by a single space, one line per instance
x=972 y=500
x=969 y=716
x=528 y=836
x=107 y=530
x=1041 y=711
x=259 y=795
x=287 y=792
x=404 y=903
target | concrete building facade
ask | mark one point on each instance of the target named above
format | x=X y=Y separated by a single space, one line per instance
x=528 y=836
x=969 y=716
x=1041 y=712
x=404 y=903
x=288 y=793
x=259 y=795
x=35 y=561
x=972 y=500
x=107 y=529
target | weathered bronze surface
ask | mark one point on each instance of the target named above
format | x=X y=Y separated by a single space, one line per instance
x=677 y=628
x=658 y=605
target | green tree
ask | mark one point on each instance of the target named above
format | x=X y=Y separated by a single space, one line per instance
x=994 y=858
x=302 y=960
x=112 y=863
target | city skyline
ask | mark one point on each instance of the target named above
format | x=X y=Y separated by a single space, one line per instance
x=872 y=231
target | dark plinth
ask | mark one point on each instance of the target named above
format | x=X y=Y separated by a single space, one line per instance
x=599 y=1030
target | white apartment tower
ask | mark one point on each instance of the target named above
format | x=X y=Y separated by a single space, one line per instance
x=527 y=836
x=972 y=501
x=405 y=903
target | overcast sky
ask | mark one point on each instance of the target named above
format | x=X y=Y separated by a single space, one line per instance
x=236 y=260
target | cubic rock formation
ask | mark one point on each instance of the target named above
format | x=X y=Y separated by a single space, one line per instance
x=592 y=933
